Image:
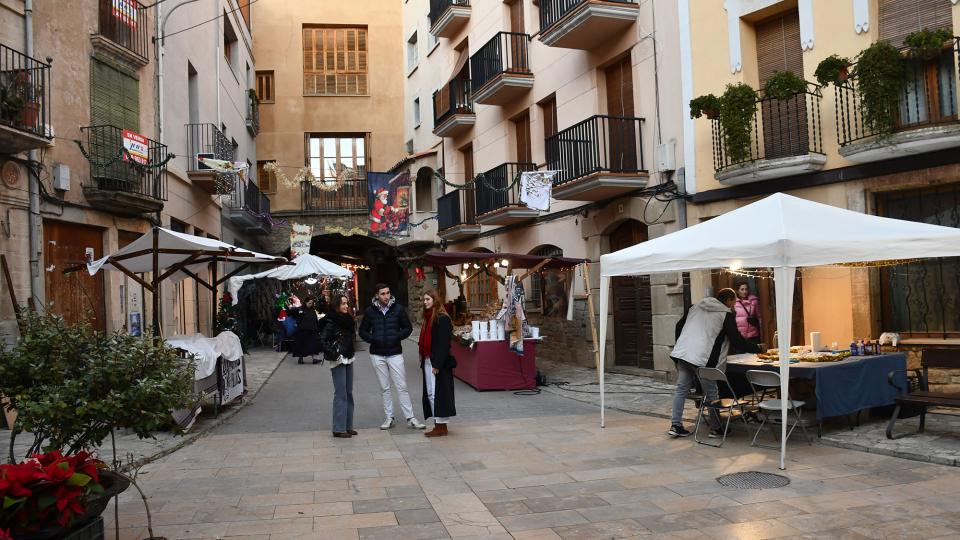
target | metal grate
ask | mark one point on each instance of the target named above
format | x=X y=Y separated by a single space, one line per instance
x=753 y=480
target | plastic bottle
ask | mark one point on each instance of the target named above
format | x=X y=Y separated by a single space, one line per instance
x=861 y=350
x=868 y=348
x=853 y=347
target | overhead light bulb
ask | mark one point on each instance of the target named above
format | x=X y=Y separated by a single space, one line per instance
x=504 y=263
x=466 y=266
x=310 y=281
x=476 y=266
x=496 y=264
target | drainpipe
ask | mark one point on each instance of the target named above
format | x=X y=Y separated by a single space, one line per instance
x=34 y=222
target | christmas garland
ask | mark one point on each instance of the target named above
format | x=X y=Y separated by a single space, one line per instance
x=305 y=175
x=123 y=153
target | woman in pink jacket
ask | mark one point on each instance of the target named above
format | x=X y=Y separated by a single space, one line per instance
x=747 y=310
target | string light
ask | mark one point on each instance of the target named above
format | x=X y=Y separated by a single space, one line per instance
x=504 y=263
x=310 y=280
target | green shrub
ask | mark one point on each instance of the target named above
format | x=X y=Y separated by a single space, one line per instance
x=881 y=75
x=926 y=43
x=832 y=69
x=784 y=85
x=737 y=107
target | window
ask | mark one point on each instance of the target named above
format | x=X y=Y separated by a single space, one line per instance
x=548 y=108
x=114 y=97
x=413 y=55
x=230 y=50
x=481 y=290
x=266 y=180
x=424 y=190
x=416 y=112
x=537 y=279
x=329 y=155
x=409 y=146
x=193 y=94
x=898 y=18
x=922 y=299
x=431 y=39
x=334 y=61
x=265 y=86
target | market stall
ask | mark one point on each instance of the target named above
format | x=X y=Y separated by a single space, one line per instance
x=495 y=348
x=784 y=233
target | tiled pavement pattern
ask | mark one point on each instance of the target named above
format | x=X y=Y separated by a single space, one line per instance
x=532 y=478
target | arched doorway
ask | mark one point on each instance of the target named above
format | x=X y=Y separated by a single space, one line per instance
x=367 y=251
x=632 y=304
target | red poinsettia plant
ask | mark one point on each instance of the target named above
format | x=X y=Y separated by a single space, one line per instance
x=47 y=489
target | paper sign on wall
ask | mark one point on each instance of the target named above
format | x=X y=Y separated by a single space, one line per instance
x=300 y=236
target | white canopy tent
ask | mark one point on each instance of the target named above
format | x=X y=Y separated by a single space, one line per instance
x=780 y=232
x=303 y=266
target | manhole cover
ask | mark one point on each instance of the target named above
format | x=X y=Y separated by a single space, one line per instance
x=753 y=480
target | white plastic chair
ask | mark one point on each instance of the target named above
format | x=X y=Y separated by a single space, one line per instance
x=763 y=382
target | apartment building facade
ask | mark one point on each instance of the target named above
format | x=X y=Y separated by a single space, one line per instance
x=588 y=88
x=833 y=144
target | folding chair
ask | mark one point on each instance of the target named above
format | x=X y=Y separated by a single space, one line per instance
x=762 y=382
x=724 y=407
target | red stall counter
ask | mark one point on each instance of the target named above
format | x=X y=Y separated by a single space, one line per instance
x=491 y=365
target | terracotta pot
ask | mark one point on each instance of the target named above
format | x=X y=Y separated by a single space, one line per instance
x=30 y=115
x=843 y=74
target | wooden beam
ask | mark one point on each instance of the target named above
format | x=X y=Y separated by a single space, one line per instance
x=133 y=276
x=593 y=322
x=235 y=271
x=180 y=265
x=13 y=293
x=535 y=269
x=197 y=278
x=155 y=290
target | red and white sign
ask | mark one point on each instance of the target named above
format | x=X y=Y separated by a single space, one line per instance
x=137 y=147
x=126 y=12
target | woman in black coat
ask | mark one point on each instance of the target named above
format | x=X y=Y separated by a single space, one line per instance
x=437 y=364
x=306 y=339
x=338 y=336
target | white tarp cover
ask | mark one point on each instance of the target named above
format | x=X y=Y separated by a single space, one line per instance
x=303 y=266
x=167 y=239
x=780 y=232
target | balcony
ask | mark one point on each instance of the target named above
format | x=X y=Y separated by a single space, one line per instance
x=121 y=182
x=584 y=24
x=253 y=114
x=453 y=109
x=207 y=141
x=598 y=158
x=423 y=234
x=124 y=31
x=24 y=102
x=926 y=119
x=784 y=140
x=447 y=17
x=498 y=204
x=456 y=218
x=248 y=207
x=352 y=196
x=500 y=70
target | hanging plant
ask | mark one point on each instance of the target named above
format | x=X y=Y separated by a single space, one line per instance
x=708 y=105
x=881 y=75
x=784 y=85
x=927 y=44
x=737 y=107
x=833 y=69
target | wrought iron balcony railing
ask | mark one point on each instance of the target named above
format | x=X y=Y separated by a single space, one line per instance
x=551 y=11
x=599 y=144
x=492 y=193
x=456 y=208
x=780 y=128
x=505 y=53
x=124 y=22
x=455 y=97
x=928 y=98
x=112 y=169
x=24 y=92
x=247 y=196
x=253 y=114
x=206 y=140
x=351 y=196
x=437 y=7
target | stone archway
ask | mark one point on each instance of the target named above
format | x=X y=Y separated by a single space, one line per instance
x=368 y=251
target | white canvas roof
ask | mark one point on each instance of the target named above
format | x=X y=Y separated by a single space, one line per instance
x=780 y=232
x=303 y=266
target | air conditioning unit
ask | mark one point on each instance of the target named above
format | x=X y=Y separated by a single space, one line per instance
x=201 y=166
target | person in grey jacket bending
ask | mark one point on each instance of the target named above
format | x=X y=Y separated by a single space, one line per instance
x=704 y=336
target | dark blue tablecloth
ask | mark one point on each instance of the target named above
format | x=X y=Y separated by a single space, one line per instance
x=843 y=387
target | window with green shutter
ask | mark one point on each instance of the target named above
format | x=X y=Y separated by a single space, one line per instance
x=114 y=97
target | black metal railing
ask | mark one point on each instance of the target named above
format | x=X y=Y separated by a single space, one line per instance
x=248 y=197
x=111 y=169
x=437 y=7
x=552 y=11
x=505 y=53
x=928 y=98
x=124 y=22
x=598 y=144
x=492 y=193
x=253 y=114
x=351 y=196
x=455 y=97
x=779 y=128
x=24 y=92
x=206 y=140
x=456 y=208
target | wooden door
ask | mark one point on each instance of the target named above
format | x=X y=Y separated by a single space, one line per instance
x=621 y=151
x=784 y=121
x=517 y=41
x=469 y=209
x=632 y=305
x=522 y=128
x=516 y=17
x=77 y=296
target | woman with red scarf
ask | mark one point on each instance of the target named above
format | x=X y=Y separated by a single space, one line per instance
x=437 y=364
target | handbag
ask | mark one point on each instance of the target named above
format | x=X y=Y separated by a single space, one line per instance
x=752 y=320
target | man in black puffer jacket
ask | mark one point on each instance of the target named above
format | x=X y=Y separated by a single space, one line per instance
x=385 y=325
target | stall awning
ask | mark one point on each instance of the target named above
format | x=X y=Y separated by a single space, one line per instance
x=449 y=258
x=303 y=266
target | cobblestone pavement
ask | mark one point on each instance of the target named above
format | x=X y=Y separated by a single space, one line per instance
x=261 y=363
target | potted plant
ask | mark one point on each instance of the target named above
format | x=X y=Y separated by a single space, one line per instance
x=833 y=69
x=708 y=105
x=737 y=107
x=927 y=44
x=12 y=96
x=881 y=73
x=784 y=85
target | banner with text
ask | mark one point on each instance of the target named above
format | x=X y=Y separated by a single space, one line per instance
x=300 y=236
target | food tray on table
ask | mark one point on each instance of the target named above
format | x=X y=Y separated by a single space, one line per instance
x=804 y=354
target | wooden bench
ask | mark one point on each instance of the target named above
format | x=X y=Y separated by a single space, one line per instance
x=917 y=397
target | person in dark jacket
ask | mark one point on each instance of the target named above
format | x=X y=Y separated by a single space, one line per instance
x=385 y=325
x=437 y=364
x=337 y=341
x=306 y=340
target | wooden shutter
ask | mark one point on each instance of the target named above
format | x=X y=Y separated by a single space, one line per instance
x=620 y=88
x=778 y=45
x=114 y=97
x=522 y=127
x=549 y=109
x=335 y=61
x=265 y=86
x=898 y=18
x=784 y=122
x=516 y=17
x=469 y=200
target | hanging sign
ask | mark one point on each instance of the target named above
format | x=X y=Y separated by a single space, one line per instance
x=231 y=374
x=126 y=12
x=136 y=146
x=300 y=236
x=389 y=202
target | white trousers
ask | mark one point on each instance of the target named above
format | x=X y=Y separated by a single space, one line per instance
x=391 y=374
x=431 y=381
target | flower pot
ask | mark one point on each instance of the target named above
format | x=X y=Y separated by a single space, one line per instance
x=711 y=114
x=30 y=115
x=843 y=74
x=113 y=485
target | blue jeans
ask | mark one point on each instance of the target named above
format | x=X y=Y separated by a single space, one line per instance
x=686 y=376
x=342 y=398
